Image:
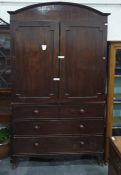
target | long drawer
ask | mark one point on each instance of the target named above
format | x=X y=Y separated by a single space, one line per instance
x=64 y=145
x=58 y=127
x=36 y=111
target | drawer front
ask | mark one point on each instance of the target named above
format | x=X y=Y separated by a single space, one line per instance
x=65 y=145
x=54 y=127
x=35 y=111
x=83 y=110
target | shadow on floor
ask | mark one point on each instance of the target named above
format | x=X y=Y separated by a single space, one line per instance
x=69 y=167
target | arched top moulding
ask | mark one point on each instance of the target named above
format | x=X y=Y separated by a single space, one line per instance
x=62 y=11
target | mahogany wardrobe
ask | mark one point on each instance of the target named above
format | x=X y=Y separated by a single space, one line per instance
x=59 y=77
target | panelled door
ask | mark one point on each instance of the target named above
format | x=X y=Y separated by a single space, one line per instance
x=83 y=69
x=57 y=62
x=36 y=61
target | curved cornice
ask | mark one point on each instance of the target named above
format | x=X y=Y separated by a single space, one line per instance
x=58 y=3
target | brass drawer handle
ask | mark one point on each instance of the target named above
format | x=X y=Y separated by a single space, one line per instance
x=82 y=143
x=81 y=126
x=82 y=110
x=36 y=111
x=36 y=126
x=36 y=144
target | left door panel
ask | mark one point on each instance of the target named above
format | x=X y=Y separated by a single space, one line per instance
x=36 y=66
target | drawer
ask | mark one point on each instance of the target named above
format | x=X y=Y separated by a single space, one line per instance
x=83 y=110
x=55 y=145
x=35 y=111
x=58 y=127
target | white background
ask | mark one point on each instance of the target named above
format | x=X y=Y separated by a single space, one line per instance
x=107 y=6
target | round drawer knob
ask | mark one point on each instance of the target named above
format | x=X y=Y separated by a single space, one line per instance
x=36 y=127
x=36 y=111
x=82 y=110
x=82 y=143
x=36 y=144
x=81 y=126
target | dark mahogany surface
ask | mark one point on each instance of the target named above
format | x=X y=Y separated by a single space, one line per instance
x=63 y=28
x=65 y=116
x=62 y=145
x=59 y=127
x=57 y=111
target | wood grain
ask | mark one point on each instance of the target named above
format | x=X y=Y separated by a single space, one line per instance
x=79 y=34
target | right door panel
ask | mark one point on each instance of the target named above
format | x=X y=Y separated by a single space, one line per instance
x=84 y=66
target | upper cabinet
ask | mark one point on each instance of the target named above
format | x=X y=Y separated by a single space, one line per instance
x=73 y=59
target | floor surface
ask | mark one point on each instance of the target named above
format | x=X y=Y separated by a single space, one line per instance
x=71 y=167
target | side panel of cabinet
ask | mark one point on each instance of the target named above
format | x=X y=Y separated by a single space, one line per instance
x=83 y=70
x=35 y=67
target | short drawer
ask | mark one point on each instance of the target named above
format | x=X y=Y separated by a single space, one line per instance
x=83 y=110
x=58 y=127
x=35 y=111
x=52 y=145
